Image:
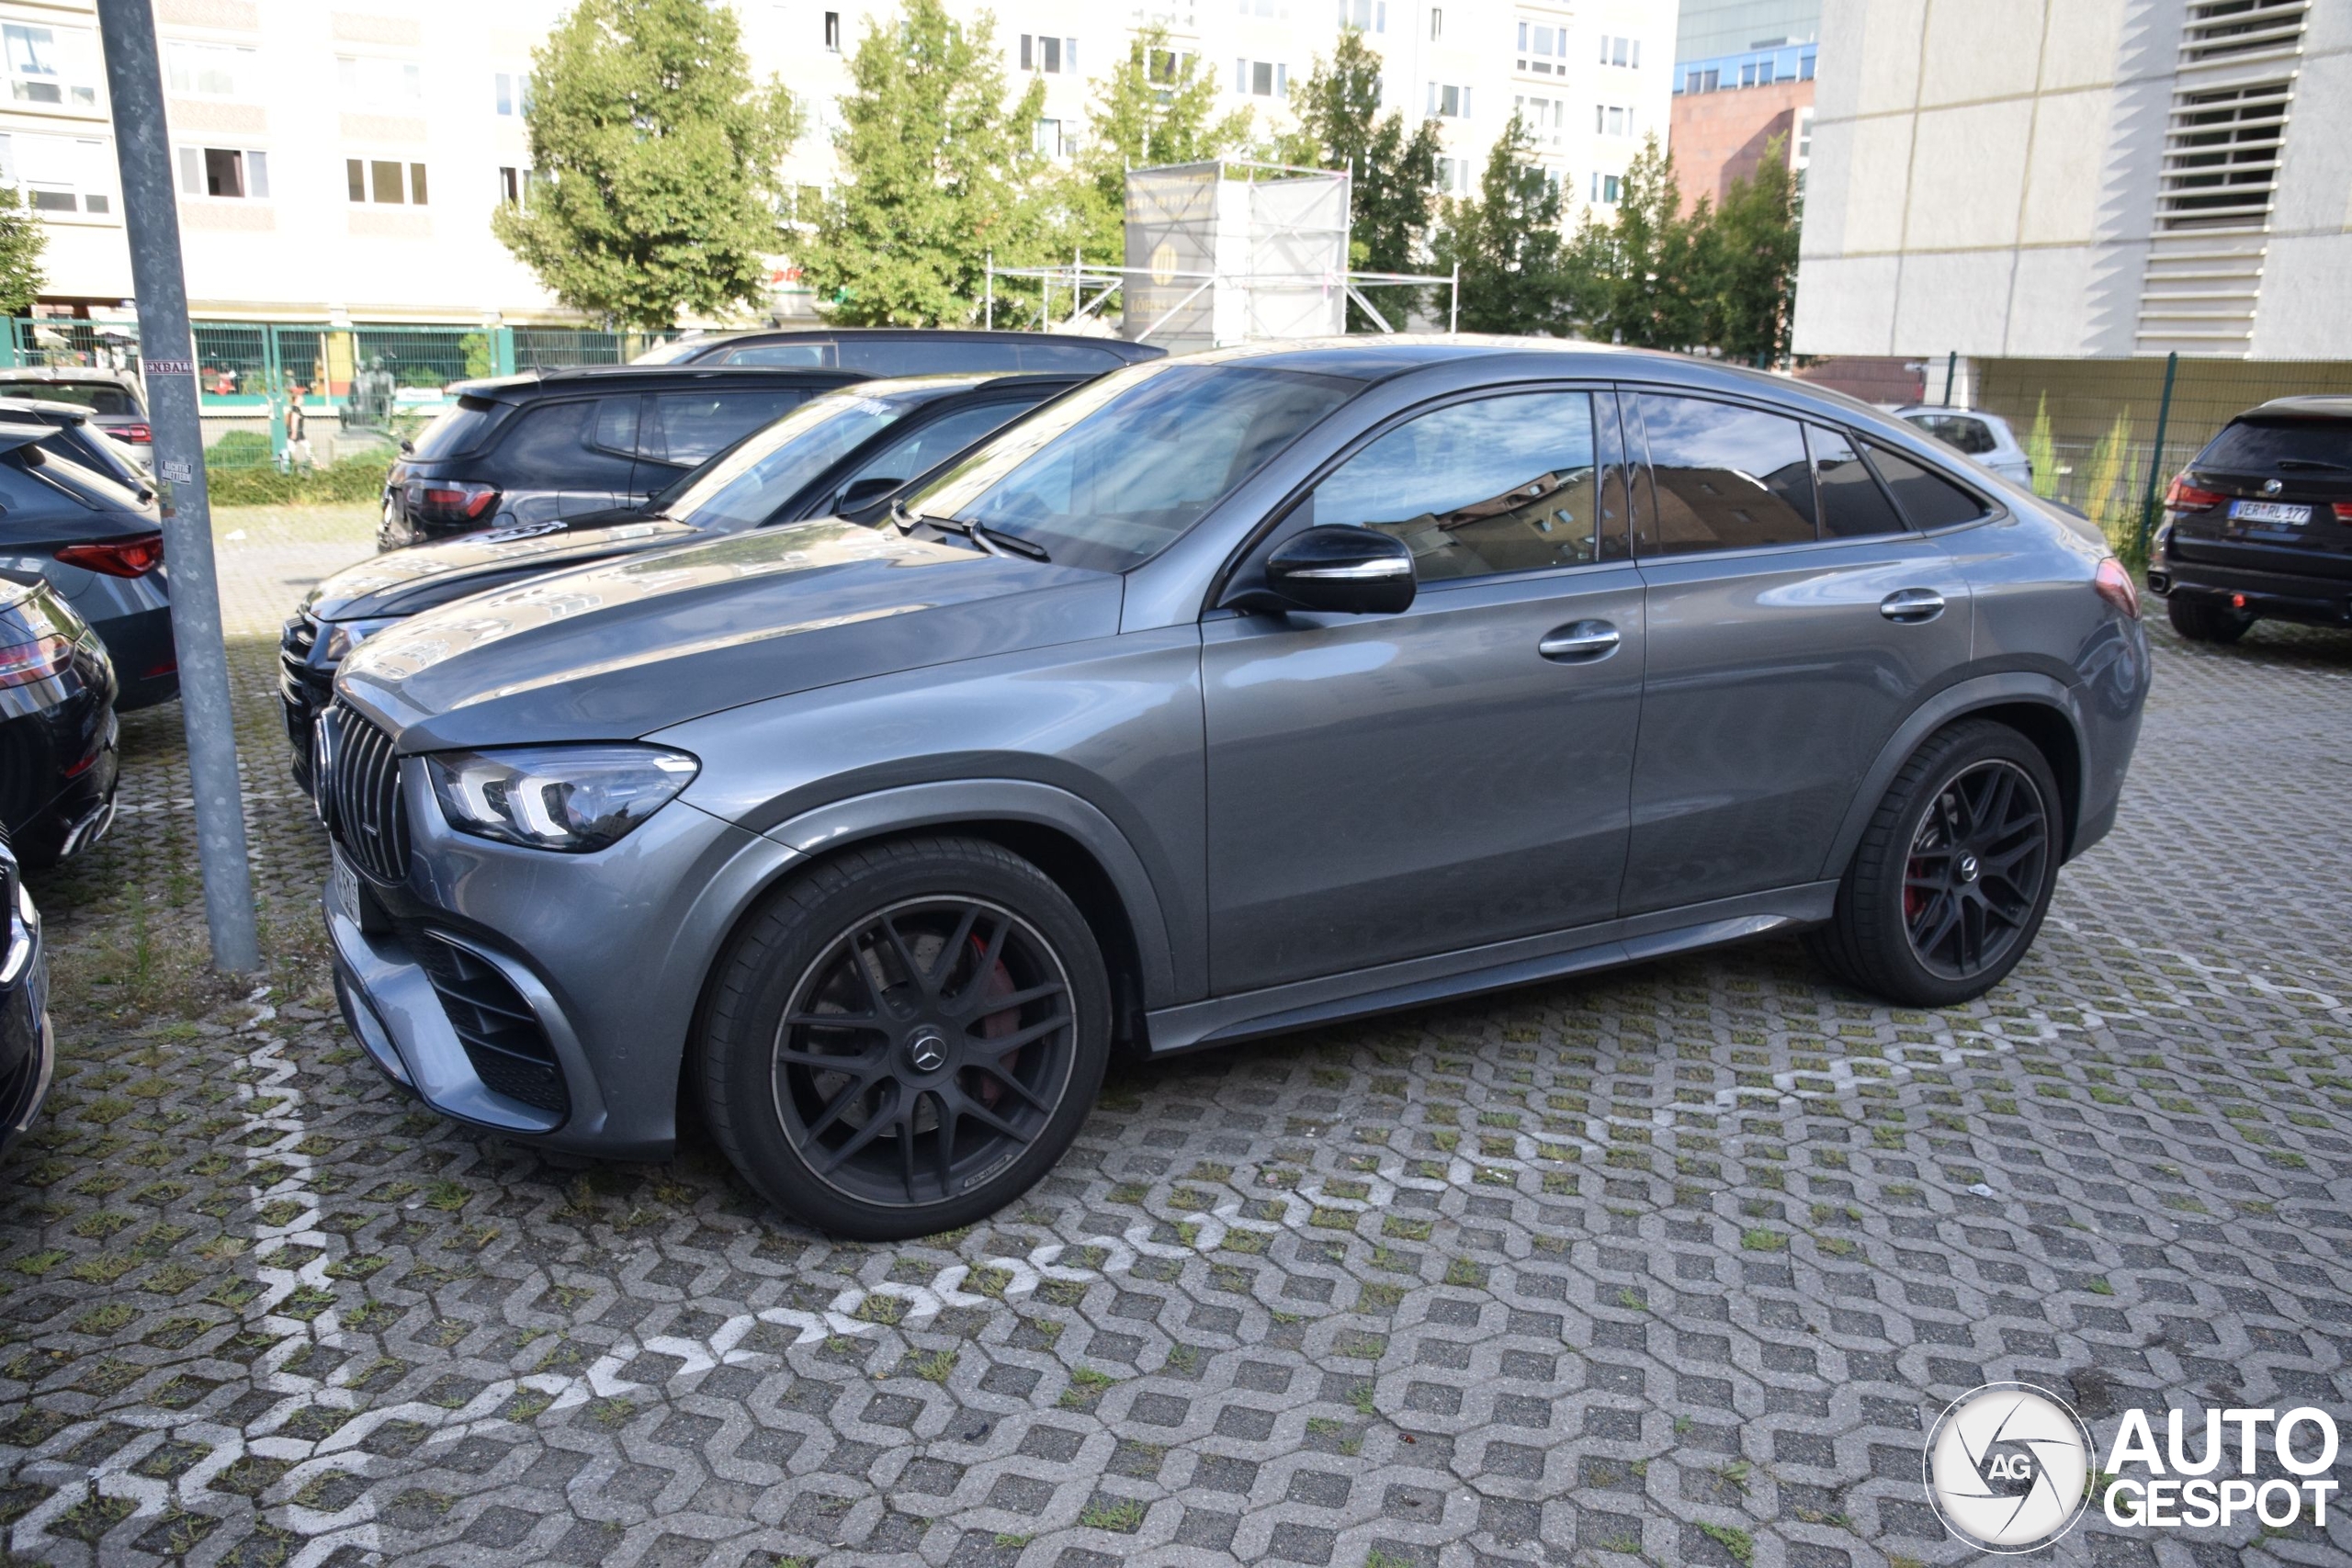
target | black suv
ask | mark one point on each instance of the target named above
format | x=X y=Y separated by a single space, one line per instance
x=553 y=443
x=2260 y=524
x=907 y=351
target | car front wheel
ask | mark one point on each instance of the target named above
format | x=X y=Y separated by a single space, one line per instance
x=907 y=1037
x=1953 y=873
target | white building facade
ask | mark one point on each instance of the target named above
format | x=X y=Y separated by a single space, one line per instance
x=2050 y=179
x=341 y=163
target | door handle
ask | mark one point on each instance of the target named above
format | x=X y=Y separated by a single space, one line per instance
x=1580 y=642
x=1911 y=605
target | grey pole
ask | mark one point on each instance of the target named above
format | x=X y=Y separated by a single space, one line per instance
x=151 y=211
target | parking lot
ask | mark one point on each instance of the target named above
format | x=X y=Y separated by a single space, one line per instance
x=1672 y=1265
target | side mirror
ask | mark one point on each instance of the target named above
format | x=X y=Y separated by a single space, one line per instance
x=1353 y=571
x=865 y=492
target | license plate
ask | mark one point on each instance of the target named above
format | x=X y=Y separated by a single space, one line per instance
x=2268 y=511
x=345 y=882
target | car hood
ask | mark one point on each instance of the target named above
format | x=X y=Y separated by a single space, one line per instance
x=401 y=583
x=619 y=649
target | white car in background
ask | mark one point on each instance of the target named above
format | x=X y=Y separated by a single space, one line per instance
x=1984 y=436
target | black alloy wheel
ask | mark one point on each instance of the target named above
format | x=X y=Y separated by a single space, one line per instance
x=923 y=1050
x=1971 y=887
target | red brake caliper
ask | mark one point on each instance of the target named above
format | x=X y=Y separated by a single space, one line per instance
x=999 y=983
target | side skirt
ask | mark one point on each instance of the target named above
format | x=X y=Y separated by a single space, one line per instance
x=1416 y=982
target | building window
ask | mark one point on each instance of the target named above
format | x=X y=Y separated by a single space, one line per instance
x=52 y=65
x=59 y=174
x=384 y=181
x=1546 y=119
x=1261 y=79
x=517 y=187
x=1269 y=8
x=1365 y=16
x=511 y=90
x=833 y=31
x=1542 y=48
x=1453 y=175
x=1625 y=52
x=1605 y=189
x=1449 y=102
x=210 y=70
x=235 y=173
x=1437 y=24
x=1053 y=56
x=371 y=80
x=1612 y=119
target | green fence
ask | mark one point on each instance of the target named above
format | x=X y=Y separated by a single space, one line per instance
x=364 y=385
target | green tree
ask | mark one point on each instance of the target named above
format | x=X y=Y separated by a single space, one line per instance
x=1508 y=243
x=1156 y=107
x=656 y=157
x=1750 y=262
x=1644 y=279
x=1393 y=190
x=2042 y=452
x=22 y=240
x=938 y=171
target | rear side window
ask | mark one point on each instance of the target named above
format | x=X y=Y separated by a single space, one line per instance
x=929 y=356
x=687 y=428
x=459 y=429
x=1927 y=498
x=2258 y=447
x=1727 y=478
x=562 y=446
x=796 y=355
x=1957 y=432
x=1501 y=484
x=1853 y=505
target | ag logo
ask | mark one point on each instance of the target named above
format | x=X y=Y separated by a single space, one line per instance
x=2007 y=1466
x=1163 y=264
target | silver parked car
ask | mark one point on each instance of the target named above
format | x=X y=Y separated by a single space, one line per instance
x=1227 y=695
x=1984 y=436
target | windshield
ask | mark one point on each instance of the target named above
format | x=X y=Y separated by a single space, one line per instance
x=1110 y=475
x=2245 y=447
x=743 y=488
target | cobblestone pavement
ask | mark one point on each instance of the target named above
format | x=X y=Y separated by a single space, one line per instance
x=1671 y=1266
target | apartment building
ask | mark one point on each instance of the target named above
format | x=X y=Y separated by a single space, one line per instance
x=340 y=160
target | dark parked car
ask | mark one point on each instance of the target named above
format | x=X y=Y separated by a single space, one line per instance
x=57 y=725
x=553 y=443
x=847 y=451
x=76 y=438
x=100 y=543
x=27 y=1049
x=113 y=398
x=907 y=351
x=2260 y=524
x=1225 y=694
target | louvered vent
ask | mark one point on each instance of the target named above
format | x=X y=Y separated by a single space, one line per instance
x=2224 y=29
x=2222 y=156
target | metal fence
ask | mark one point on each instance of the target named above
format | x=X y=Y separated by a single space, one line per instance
x=363 y=385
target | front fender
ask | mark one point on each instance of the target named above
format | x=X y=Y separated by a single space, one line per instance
x=2005 y=689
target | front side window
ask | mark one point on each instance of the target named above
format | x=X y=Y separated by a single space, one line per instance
x=1111 y=474
x=1500 y=484
x=1927 y=498
x=1725 y=478
x=1853 y=505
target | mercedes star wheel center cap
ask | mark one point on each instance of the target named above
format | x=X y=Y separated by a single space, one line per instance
x=928 y=1050
x=1968 y=868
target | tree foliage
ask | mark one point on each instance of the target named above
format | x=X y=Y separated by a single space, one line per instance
x=1394 y=167
x=1509 y=243
x=22 y=241
x=1156 y=107
x=938 y=171
x=1751 y=262
x=656 y=159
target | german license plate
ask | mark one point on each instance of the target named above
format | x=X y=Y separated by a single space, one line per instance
x=344 y=883
x=2268 y=511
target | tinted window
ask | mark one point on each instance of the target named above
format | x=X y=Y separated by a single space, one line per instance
x=1050 y=356
x=96 y=396
x=459 y=429
x=1502 y=484
x=928 y=356
x=1957 y=432
x=2252 y=447
x=1109 y=474
x=919 y=451
x=550 y=447
x=1928 y=499
x=1727 y=478
x=1851 y=503
x=819 y=356
x=687 y=428
x=744 y=489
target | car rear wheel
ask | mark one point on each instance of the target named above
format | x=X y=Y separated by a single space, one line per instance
x=1953 y=874
x=2200 y=618
x=906 y=1038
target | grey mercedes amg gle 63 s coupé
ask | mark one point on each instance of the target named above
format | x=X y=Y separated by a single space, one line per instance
x=1227 y=695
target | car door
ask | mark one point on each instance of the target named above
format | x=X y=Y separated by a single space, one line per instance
x=1794 y=624
x=1381 y=787
x=685 y=429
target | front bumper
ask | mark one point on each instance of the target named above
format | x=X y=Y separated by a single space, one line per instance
x=545 y=996
x=305 y=687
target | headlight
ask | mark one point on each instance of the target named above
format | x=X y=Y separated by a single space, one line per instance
x=574 y=798
x=341 y=636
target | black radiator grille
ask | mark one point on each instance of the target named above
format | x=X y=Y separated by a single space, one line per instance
x=364 y=810
x=501 y=1034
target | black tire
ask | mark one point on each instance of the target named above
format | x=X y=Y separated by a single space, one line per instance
x=1965 y=844
x=820 y=1085
x=2201 y=618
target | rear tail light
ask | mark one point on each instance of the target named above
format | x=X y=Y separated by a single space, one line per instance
x=137 y=433
x=2343 y=510
x=450 y=501
x=2182 y=496
x=135 y=557
x=2114 y=585
x=22 y=663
